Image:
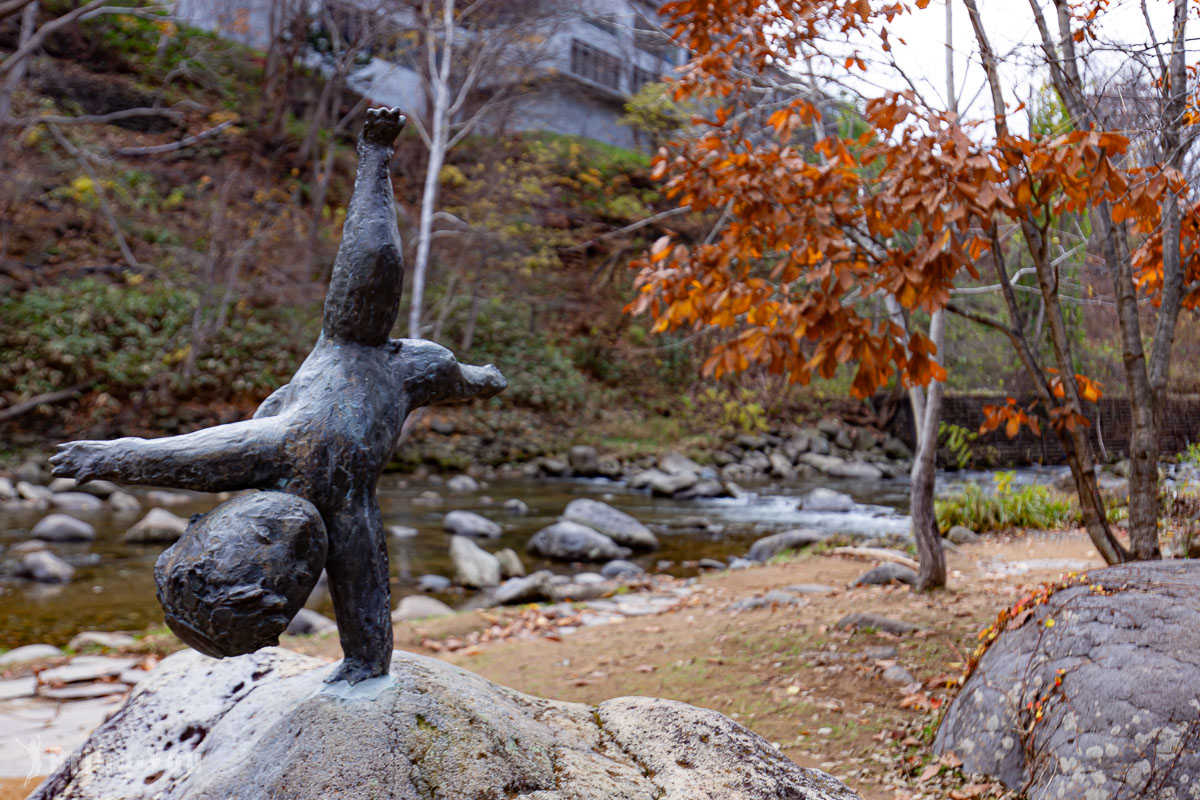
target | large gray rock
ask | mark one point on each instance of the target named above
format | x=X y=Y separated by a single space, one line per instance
x=473 y=566
x=266 y=725
x=768 y=547
x=613 y=523
x=1123 y=721
x=570 y=541
x=45 y=567
x=159 y=525
x=468 y=523
x=61 y=528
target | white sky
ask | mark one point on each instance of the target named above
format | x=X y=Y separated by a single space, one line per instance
x=1013 y=35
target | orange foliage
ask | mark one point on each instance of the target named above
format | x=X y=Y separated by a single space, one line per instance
x=816 y=235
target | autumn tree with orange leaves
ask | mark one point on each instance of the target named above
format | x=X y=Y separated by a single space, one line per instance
x=828 y=255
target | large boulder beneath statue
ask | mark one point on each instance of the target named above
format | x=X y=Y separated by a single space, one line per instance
x=1122 y=723
x=266 y=725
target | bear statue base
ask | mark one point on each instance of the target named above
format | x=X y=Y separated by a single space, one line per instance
x=268 y=725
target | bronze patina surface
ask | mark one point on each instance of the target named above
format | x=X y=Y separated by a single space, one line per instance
x=324 y=437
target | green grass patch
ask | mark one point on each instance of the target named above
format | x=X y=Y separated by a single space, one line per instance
x=1031 y=506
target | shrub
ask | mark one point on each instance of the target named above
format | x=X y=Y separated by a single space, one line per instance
x=1031 y=506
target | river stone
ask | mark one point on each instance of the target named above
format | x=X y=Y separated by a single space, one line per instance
x=527 y=589
x=768 y=547
x=880 y=623
x=887 y=573
x=895 y=449
x=555 y=467
x=704 y=488
x=159 y=525
x=124 y=503
x=76 y=501
x=757 y=461
x=434 y=583
x=473 y=566
x=1123 y=721
x=516 y=507
x=781 y=467
x=583 y=460
x=822 y=499
x=570 y=541
x=841 y=468
x=308 y=622
x=510 y=563
x=620 y=568
x=462 y=484
x=45 y=567
x=30 y=652
x=608 y=467
x=418 y=606
x=7 y=490
x=468 y=523
x=613 y=523
x=668 y=485
x=674 y=463
x=105 y=639
x=32 y=491
x=266 y=725
x=401 y=532
x=28 y=471
x=97 y=488
x=643 y=479
x=61 y=528
x=162 y=497
x=961 y=534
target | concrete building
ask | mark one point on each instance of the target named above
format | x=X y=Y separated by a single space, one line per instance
x=593 y=56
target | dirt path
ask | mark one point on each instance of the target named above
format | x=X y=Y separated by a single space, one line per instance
x=783 y=670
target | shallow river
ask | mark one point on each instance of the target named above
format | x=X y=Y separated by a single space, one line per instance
x=113 y=587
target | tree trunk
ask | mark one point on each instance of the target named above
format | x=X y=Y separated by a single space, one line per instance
x=438 y=137
x=28 y=21
x=924 y=473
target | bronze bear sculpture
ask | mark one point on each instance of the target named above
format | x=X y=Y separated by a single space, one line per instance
x=326 y=436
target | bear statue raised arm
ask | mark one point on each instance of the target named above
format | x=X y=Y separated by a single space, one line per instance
x=321 y=442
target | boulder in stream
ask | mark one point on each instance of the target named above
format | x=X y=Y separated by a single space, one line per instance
x=613 y=523
x=45 y=567
x=822 y=499
x=473 y=566
x=468 y=523
x=62 y=528
x=570 y=541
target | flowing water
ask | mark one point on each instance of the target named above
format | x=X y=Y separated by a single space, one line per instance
x=113 y=587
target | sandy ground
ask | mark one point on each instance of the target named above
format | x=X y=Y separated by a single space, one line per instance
x=784 y=671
